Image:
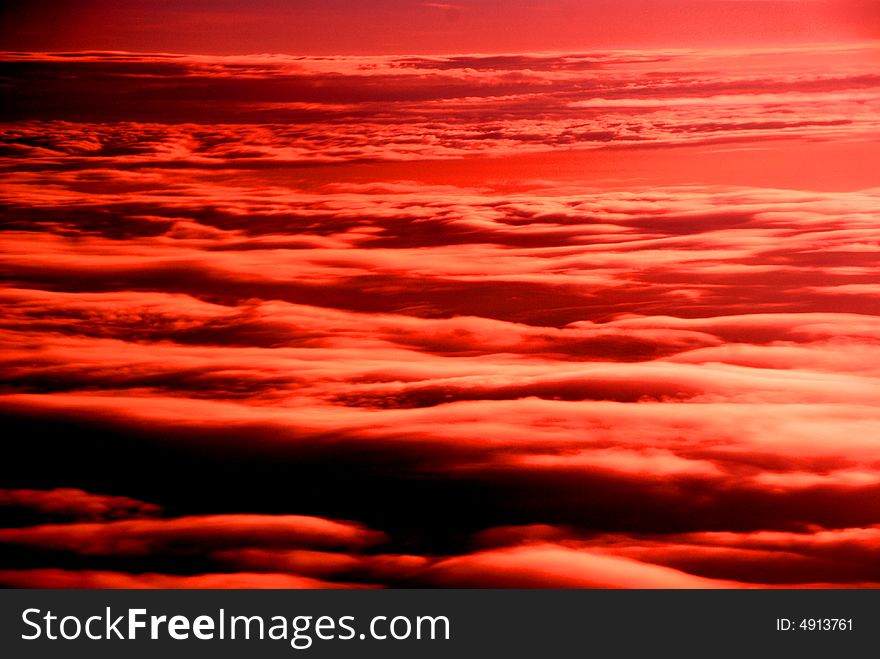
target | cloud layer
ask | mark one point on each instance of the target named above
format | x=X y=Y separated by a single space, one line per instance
x=554 y=319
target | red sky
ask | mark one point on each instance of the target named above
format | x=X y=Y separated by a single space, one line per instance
x=413 y=294
x=336 y=27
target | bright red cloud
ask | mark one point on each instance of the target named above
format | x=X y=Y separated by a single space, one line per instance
x=545 y=316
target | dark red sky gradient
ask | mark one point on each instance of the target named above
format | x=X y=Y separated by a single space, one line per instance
x=519 y=294
x=333 y=27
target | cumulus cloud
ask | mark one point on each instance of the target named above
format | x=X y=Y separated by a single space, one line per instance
x=255 y=551
x=809 y=558
x=549 y=566
x=263 y=294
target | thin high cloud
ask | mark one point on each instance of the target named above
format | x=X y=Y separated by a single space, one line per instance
x=275 y=109
x=69 y=504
